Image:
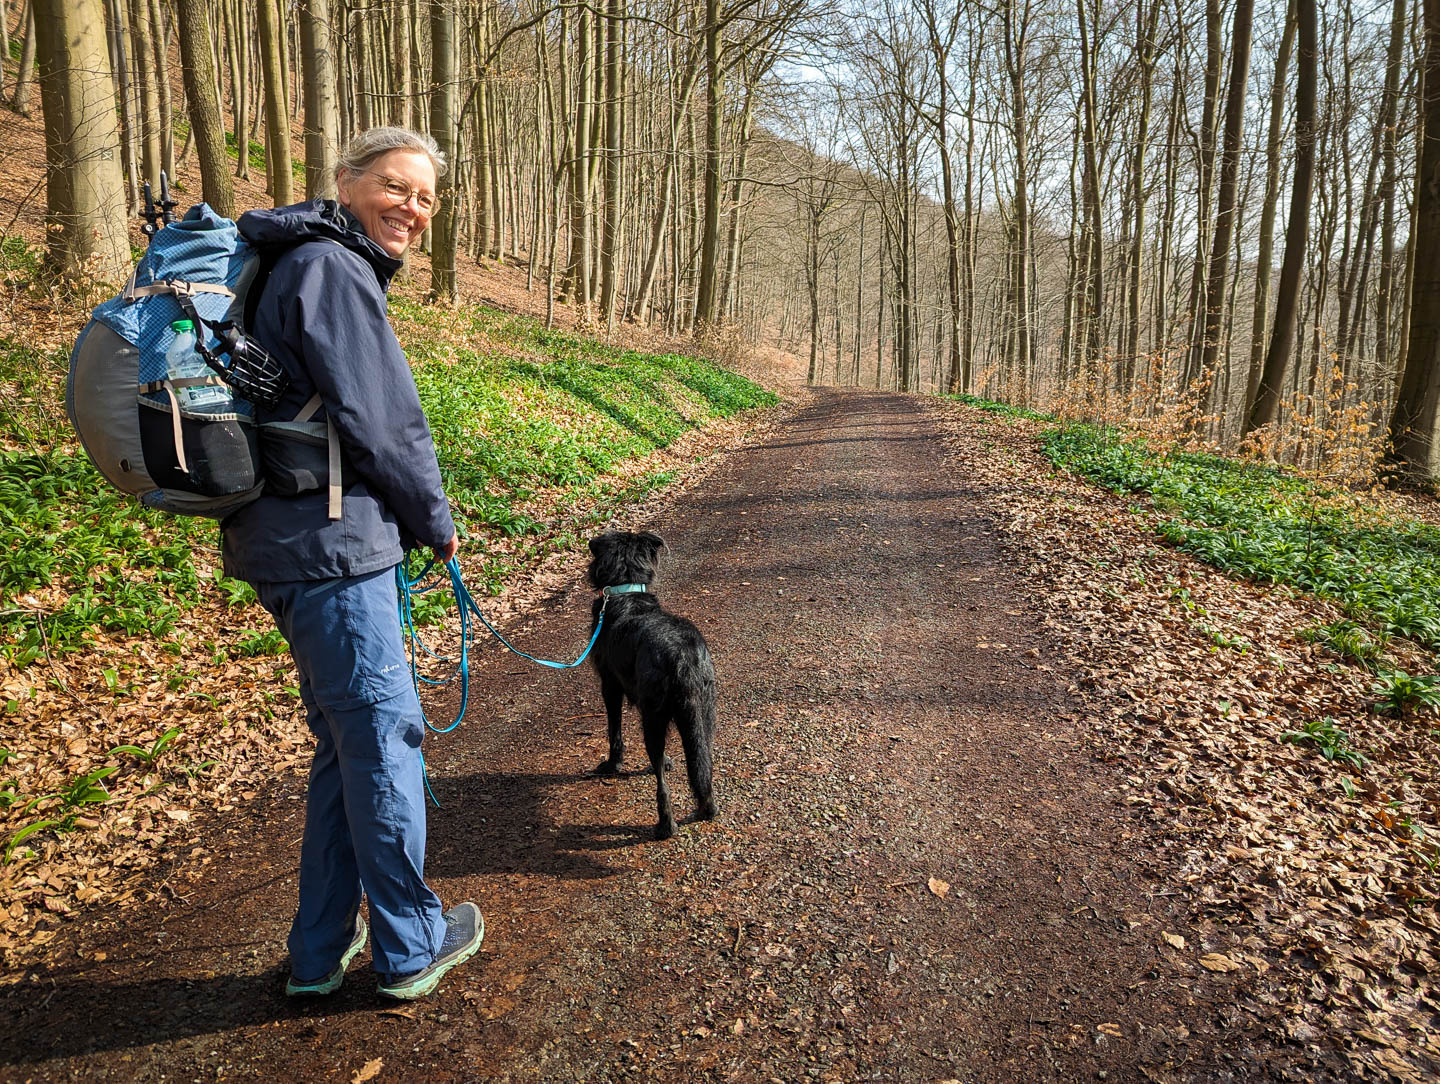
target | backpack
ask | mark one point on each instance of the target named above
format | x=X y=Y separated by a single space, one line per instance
x=123 y=403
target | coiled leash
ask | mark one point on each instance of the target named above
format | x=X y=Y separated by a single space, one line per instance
x=407 y=589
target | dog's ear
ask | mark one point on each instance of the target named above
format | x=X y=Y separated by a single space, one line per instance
x=595 y=545
x=651 y=539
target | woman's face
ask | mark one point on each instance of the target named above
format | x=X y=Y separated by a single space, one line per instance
x=393 y=197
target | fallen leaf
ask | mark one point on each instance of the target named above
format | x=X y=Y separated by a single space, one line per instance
x=369 y=1071
x=1174 y=940
x=1112 y=1030
x=1216 y=961
x=939 y=887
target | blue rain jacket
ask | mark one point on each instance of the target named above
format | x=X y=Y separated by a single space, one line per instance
x=322 y=316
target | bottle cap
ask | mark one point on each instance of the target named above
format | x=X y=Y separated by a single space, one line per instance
x=182 y=325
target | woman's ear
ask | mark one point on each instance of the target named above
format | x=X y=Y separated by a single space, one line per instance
x=343 y=184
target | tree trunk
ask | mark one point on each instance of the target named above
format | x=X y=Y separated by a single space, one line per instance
x=322 y=115
x=1384 y=364
x=737 y=188
x=129 y=138
x=1413 y=423
x=1146 y=24
x=1015 y=43
x=443 y=286
x=207 y=125
x=1089 y=55
x=614 y=96
x=400 y=113
x=160 y=58
x=714 y=101
x=277 y=124
x=1282 y=338
x=1265 y=248
x=1214 y=61
x=85 y=192
x=1225 y=208
x=237 y=54
x=25 y=73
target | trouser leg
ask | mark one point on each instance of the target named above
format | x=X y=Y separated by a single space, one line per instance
x=367 y=781
x=329 y=877
x=379 y=759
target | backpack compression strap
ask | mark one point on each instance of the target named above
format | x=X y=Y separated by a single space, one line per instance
x=172 y=286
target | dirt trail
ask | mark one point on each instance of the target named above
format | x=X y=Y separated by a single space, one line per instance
x=889 y=716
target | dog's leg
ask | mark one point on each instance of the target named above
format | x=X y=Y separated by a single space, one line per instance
x=655 y=729
x=696 y=724
x=614 y=697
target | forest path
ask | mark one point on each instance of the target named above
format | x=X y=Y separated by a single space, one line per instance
x=918 y=872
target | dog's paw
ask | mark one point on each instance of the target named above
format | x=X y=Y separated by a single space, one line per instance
x=707 y=812
x=665 y=829
x=607 y=767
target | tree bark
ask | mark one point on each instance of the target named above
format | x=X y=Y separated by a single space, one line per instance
x=160 y=59
x=1225 y=207
x=207 y=125
x=85 y=192
x=614 y=96
x=1265 y=246
x=1214 y=61
x=25 y=73
x=1282 y=338
x=714 y=101
x=277 y=124
x=443 y=286
x=322 y=115
x=1384 y=364
x=1413 y=422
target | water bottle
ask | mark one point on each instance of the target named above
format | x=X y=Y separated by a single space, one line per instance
x=182 y=360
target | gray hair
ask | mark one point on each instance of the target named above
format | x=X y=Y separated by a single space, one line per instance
x=365 y=147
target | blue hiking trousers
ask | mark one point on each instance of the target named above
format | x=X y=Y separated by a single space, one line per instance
x=365 y=810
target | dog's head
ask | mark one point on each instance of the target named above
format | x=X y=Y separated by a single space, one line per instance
x=623 y=557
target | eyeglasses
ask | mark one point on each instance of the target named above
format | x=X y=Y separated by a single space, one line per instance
x=400 y=192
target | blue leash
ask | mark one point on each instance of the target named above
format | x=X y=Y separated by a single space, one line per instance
x=407 y=589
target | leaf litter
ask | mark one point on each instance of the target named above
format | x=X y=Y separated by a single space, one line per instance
x=1315 y=884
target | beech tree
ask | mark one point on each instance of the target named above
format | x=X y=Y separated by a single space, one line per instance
x=85 y=190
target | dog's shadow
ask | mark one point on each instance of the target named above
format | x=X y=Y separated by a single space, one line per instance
x=498 y=823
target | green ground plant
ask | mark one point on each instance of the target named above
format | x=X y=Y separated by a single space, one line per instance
x=1350 y=640
x=1329 y=741
x=1274 y=527
x=1005 y=410
x=1398 y=693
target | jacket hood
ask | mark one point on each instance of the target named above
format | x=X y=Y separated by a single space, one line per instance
x=321 y=219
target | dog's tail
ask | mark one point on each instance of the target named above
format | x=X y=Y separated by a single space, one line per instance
x=695 y=722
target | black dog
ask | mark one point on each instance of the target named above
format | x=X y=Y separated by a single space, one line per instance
x=658 y=661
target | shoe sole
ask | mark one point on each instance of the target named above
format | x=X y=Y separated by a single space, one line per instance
x=419 y=987
x=332 y=981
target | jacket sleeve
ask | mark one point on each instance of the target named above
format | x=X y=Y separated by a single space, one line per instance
x=368 y=391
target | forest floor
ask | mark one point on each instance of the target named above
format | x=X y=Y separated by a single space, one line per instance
x=950 y=847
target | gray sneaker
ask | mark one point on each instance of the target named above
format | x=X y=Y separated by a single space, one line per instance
x=297 y=987
x=464 y=930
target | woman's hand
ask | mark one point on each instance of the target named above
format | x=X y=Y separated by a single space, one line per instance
x=447 y=551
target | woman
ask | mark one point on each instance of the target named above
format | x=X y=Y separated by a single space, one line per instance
x=327 y=574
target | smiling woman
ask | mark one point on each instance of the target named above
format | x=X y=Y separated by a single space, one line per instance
x=320 y=547
x=386 y=179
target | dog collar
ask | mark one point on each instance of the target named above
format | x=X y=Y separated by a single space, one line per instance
x=624 y=589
